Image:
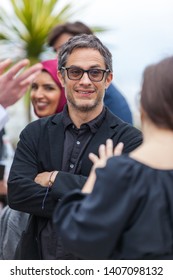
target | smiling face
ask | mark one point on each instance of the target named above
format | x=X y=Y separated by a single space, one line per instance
x=85 y=95
x=45 y=95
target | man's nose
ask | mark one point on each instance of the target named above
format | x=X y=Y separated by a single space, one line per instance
x=85 y=78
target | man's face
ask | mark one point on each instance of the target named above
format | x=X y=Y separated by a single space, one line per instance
x=83 y=94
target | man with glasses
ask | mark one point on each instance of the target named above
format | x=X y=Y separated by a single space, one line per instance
x=113 y=98
x=52 y=155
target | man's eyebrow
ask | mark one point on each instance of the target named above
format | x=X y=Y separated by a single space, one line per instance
x=93 y=66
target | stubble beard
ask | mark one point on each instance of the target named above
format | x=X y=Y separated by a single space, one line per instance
x=84 y=108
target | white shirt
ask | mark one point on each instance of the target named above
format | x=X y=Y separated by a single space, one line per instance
x=3 y=117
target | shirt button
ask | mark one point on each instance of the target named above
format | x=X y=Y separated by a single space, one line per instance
x=71 y=165
x=78 y=142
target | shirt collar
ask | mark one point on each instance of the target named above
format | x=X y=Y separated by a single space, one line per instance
x=93 y=124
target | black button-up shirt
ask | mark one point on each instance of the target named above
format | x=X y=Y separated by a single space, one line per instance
x=77 y=139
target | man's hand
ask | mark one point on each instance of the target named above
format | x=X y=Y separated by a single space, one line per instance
x=14 y=83
x=105 y=152
x=43 y=178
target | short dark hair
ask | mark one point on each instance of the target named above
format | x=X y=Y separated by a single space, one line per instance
x=84 y=41
x=157 y=93
x=72 y=28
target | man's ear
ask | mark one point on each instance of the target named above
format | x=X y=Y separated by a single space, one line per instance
x=61 y=78
x=109 y=79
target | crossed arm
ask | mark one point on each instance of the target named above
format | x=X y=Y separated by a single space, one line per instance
x=105 y=151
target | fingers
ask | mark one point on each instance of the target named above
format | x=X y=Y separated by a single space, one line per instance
x=29 y=79
x=4 y=64
x=12 y=72
x=93 y=158
x=23 y=79
x=102 y=151
x=109 y=148
x=28 y=75
x=118 y=149
x=105 y=152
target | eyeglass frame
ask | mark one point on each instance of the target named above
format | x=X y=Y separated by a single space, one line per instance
x=85 y=71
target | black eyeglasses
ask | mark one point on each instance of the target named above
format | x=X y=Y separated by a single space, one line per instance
x=75 y=73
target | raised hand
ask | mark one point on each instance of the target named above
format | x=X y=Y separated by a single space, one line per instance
x=14 y=82
x=105 y=152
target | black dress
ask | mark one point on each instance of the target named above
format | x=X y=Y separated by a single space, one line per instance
x=129 y=214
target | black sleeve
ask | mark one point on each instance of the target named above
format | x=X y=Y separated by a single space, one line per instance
x=23 y=193
x=66 y=182
x=91 y=225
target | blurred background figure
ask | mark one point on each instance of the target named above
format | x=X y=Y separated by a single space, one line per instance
x=47 y=94
x=113 y=99
x=13 y=85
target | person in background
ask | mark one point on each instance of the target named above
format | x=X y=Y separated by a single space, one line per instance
x=52 y=154
x=125 y=210
x=113 y=98
x=47 y=93
x=48 y=98
x=13 y=85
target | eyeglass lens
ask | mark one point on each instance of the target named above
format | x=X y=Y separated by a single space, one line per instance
x=77 y=73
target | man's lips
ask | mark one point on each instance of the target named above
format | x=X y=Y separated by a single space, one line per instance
x=85 y=92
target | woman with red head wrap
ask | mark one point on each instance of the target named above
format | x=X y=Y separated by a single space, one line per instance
x=47 y=93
